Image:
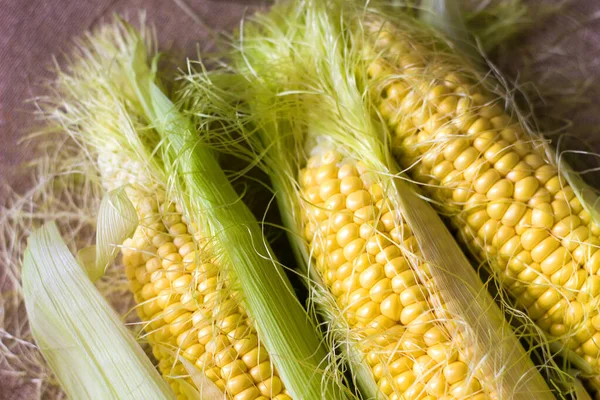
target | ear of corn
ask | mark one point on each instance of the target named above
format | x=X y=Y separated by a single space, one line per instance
x=495 y=180
x=292 y=339
x=207 y=288
x=401 y=314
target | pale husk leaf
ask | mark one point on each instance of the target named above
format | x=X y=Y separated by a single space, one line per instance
x=84 y=341
x=117 y=220
x=206 y=389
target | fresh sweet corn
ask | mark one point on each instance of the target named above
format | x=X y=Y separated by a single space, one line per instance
x=188 y=309
x=505 y=196
x=356 y=238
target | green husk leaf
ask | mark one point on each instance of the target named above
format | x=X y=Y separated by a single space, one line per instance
x=210 y=201
x=117 y=220
x=85 y=343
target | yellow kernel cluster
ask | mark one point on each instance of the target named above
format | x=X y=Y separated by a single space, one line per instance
x=509 y=202
x=355 y=238
x=184 y=302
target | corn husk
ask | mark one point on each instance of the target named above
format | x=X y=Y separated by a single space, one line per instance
x=83 y=340
x=117 y=220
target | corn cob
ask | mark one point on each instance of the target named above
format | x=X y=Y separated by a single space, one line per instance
x=185 y=299
x=357 y=239
x=494 y=179
x=189 y=310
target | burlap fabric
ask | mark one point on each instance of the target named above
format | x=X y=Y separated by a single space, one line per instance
x=32 y=31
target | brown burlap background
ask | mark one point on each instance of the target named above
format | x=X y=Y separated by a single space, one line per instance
x=32 y=31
